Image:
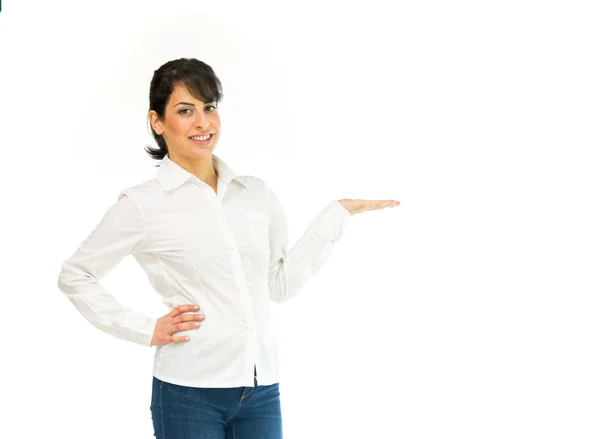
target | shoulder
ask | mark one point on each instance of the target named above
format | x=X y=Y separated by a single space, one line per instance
x=253 y=183
x=259 y=186
x=261 y=193
x=139 y=190
x=140 y=194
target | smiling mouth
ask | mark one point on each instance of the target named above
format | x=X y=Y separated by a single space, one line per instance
x=202 y=139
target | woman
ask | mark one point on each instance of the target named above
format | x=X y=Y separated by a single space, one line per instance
x=214 y=246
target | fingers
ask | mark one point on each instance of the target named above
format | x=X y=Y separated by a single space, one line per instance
x=166 y=339
x=385 y=203
x=188 y=318
x=184 y=326
x=381 y=204
x=367 y=205
x=184 y=322
x=178 y=319
x=183 y=308
x=178 y=339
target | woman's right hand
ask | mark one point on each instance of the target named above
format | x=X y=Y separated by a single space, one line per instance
x=176 y=321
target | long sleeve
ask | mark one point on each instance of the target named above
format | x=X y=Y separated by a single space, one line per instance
x=290 y=271
x=119 y=233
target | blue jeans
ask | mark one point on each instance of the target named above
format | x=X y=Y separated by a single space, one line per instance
x=181 y=412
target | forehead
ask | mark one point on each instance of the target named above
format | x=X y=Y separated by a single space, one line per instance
x=181 y=93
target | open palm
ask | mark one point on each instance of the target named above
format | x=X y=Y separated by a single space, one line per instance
x=357 y=206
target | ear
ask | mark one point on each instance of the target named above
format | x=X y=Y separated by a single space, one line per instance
x=155 y=122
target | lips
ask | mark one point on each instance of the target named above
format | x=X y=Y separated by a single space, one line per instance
x=205 y=141
x=201 y=136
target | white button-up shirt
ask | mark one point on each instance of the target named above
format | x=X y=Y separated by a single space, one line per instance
x=225 y=252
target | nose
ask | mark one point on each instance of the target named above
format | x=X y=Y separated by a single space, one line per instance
x=201 y=120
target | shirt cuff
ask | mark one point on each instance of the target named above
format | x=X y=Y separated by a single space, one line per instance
x=138 y=328
x=328 y=224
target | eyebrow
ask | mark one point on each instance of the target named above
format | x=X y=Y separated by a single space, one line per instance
x=187 y=103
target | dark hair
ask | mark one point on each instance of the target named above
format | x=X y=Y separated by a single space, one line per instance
x=200 y=80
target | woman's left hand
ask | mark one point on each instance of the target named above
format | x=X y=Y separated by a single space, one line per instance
x=357 y=206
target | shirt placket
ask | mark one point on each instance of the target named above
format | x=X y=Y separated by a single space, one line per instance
x=241 y=282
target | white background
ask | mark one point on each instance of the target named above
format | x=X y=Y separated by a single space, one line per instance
x=470 y=311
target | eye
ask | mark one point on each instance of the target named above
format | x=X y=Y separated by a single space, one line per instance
x=214 y=108
x=182 y=111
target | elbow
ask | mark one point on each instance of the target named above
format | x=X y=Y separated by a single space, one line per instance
x=280 y=292
x=277 y=297
x=276 y=293
x=63 y=280
x=277 y=282
x=66 y=277
x=71 y=279
x=64 y=285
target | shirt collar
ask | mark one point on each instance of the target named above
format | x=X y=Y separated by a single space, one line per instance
x=171 y=175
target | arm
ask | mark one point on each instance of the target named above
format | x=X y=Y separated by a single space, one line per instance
x=290 y=271
x=119 y=233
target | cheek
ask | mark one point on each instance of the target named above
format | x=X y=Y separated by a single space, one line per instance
x=180 y=126
x=215 y=121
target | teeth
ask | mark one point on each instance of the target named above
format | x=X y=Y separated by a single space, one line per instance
x=200 y=137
